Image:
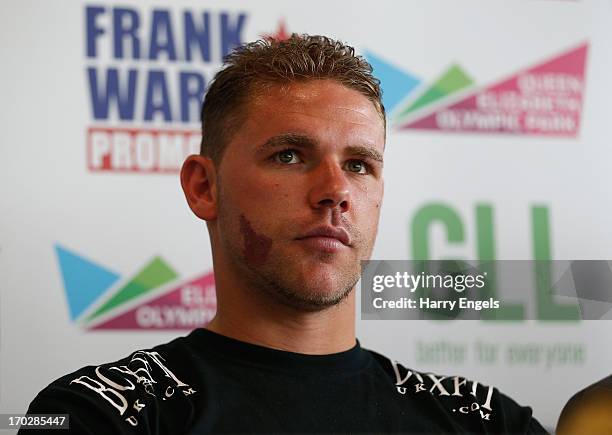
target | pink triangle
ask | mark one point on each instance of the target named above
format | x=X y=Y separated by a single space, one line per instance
x=190 y=305
x=543 y=100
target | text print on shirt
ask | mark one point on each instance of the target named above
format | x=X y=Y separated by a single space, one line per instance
x=421 y=385
x=147 y=370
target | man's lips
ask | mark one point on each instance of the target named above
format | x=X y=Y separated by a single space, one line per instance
x=327 y=235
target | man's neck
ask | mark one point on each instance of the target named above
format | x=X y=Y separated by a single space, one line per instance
x=243 y=315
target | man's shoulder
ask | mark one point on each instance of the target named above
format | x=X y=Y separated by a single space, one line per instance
x=126 y=394
x=588 y=410
x=467 y=402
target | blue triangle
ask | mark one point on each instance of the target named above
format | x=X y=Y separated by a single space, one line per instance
x=84 y=281
x=396 y=84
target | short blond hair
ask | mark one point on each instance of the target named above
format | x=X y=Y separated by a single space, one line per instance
x=268 y=62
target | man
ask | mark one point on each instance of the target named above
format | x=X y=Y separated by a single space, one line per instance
x=289 y=182
x=589 y=411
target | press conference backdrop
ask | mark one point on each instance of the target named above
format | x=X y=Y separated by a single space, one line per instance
x=498 y=147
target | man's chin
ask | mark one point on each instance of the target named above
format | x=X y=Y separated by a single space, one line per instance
x=308 y=284
x=313 y=299
x=311 y=292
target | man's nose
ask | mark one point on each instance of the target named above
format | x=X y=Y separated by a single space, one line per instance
x=330 y=188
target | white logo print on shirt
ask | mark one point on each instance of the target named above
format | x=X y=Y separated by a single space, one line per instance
x=145 y=369
x=433 y=384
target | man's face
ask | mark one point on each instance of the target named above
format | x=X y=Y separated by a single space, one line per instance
x=300 y=189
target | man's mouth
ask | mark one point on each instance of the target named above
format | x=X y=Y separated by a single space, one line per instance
x=326 y=238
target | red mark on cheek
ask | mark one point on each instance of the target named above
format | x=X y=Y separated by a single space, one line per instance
x=256 y=246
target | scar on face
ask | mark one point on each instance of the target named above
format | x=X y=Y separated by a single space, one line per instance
x=256 y=246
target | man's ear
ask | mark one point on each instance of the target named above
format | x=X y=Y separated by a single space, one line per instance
x=199 y=182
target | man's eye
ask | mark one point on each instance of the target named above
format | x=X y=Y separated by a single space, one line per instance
x=287 y=157
x=357 y=166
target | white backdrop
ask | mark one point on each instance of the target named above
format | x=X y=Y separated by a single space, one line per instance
x=61 y=211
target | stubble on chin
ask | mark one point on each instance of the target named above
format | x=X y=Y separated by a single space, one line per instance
x=276 y=278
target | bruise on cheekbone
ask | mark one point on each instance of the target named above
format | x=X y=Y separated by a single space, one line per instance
x=256 y=246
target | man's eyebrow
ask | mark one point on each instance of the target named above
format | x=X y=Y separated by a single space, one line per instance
x=365 y=151
x=303 y=141
x=285 y=139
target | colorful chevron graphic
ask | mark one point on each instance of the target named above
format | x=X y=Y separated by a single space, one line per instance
x=544 y=99
x=153 y=298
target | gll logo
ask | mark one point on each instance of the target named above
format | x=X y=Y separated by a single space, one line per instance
x=152 y=298
x=544 y=99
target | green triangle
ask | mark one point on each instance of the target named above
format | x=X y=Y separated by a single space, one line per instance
x=154 y=274
x=453 y=80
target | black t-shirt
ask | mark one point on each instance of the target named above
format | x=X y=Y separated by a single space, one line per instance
x=209 y=383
